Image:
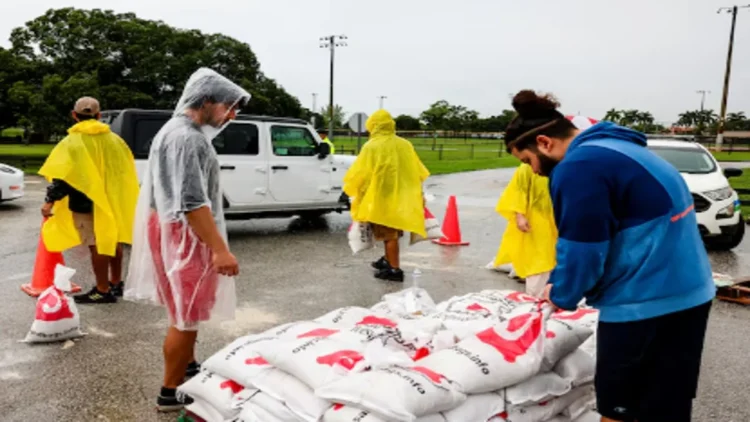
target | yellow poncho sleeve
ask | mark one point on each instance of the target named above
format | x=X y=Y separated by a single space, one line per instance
x=99 y=164
x=385 y=181
x=532 y=252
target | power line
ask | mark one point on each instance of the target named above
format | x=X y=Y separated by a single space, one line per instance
x=725 y=96
x=331 y=42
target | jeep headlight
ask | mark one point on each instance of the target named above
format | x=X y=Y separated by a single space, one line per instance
x=719 y=194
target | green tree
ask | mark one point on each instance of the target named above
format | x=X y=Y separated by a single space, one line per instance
x=437 y=115
x=406 y=122
x=737 y=121
x=613 y=115
x=127 y=62
x=339 y=117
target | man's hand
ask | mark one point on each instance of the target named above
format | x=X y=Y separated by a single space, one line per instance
x=47 y=209
x=226 y=264
x=522 y=223
x=546 y=294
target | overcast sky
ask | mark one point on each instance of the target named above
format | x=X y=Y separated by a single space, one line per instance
x=593 y=54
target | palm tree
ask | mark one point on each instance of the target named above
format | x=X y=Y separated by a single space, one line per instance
x=646 y=120
x=737 y=121
x=629 y=118
x=613 y=115
x=688 y=118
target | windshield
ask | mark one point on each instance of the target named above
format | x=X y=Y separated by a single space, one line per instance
x=694 y=161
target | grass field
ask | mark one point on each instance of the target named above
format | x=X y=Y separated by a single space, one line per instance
x=742 y=182
x=732 y=156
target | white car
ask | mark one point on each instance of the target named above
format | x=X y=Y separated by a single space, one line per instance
x=717 y=205
x=11 y=183
x=270 y=166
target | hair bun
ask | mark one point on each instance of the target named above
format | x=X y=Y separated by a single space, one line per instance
x=530 y=105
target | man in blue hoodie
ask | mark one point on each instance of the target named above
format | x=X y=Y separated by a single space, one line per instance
x=628 y=244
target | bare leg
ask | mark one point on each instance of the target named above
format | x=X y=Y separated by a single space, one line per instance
x=100 y=264
x=609 y=420
x=392 y=253
x=178 y=352
x=115 y=266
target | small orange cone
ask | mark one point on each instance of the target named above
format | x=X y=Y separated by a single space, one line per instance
x=44 y=270
x=451 y=227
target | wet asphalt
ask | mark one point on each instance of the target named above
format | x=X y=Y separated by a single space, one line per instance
x=290 y=270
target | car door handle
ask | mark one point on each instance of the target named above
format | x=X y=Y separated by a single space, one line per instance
x=227 y=167
x=280 y=168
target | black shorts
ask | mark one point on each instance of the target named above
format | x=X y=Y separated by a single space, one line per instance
x=648 y=370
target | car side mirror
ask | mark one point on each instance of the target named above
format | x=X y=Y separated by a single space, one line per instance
x=732 y=172
x=324 y=150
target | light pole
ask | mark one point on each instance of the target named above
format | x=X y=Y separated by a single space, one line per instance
x=703 y=93
x=725 y=96
x=314 y=105
x=331 y=42
x=381 y=98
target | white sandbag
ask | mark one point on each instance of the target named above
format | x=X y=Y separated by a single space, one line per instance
x=239 y=360
x=214 y=390
x=578 y=368
x=341 y=413
x=360 y=237
x=501 y=356
x=298 y=397
x=347 y=316
x=561 y=339
x=395 y=393
x=261 y=407
x=488 y=303
x=464 y=325
x=410 y=301
x=432 y=229
x=582 y=404
x=542 y=387
x=590 y=416
x=400 y=334
x=585 y=317
x=56 y=317
x=205 y=411
x=315 y=361
x=544 y=411
x=477 y=407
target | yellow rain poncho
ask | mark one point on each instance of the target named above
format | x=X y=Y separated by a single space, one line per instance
x=99 y=164
x=385 y=182
x=532 y=252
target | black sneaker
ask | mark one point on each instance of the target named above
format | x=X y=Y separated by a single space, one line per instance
x=193 y=369
x=390 y=274
x=169 y=401
x=381 y=264
x=116 y=289
x=94 y=296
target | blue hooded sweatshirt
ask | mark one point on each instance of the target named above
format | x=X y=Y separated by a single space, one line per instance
x=628 y=235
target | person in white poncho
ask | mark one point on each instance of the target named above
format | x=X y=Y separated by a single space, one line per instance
x=180 y=257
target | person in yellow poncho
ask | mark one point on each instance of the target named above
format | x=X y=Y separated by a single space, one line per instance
x=91 y=199
x=529 y=240
x=385 y=187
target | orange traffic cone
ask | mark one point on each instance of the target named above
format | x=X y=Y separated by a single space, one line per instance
x=44 y=270
x=451 y=227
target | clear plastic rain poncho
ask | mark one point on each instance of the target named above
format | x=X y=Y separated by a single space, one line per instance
x=169 y=264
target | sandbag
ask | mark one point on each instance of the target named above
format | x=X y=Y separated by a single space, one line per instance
x=477 y=407
x=585 y=317
x=213 y=390
x=544 y=411
x=498 y=357
x=298 y=397
x=542 y=387
x=561 y=339
x=360 y=237
x=341 y=413
x=578 y=368
x=395 y=393
x=56 y=317
x=261 y=407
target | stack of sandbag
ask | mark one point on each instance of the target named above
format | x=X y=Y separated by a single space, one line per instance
x=492 y=355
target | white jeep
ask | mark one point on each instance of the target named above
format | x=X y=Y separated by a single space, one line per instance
x=270 y=166
x=717 y=205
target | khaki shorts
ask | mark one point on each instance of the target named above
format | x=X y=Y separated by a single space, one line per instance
x=85 y=225
x=385 y=234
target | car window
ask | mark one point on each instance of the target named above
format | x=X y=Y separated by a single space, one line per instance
x=694 y=161
x=145 y=130
x=237 y=139
x=293 y=141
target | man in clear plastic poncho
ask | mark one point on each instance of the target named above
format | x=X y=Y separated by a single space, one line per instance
x=530 y=238
x=385 y=184
x=91 y=198
x=180 y=256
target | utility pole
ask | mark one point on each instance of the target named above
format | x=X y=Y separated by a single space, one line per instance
x=331 y=42
x=314 y=105
x=725 y=96
x=381 y=98
x=703 y=93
